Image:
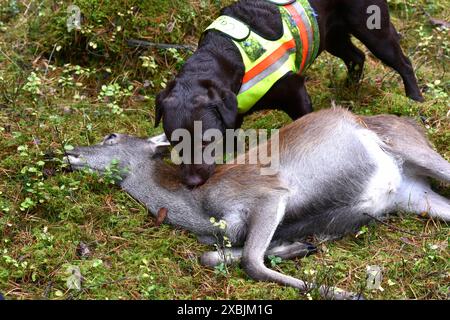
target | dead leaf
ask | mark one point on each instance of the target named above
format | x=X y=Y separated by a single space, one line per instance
x=161 y=216
x=407 y=241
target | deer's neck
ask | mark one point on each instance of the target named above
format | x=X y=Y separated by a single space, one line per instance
x=184 y=206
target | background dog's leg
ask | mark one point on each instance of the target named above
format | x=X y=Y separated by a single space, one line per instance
x=300 y=102
x=389 y=51
x=383 y=42
x=289 y=95
x=340 y=45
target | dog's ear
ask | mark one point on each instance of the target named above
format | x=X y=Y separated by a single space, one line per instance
x=228 y=110
x=227 y=107
x=159 y=102
x=158 y=108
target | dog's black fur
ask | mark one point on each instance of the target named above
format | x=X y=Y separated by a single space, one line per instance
x=205 y=89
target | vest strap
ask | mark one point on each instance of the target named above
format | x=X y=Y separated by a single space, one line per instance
x=234 y=28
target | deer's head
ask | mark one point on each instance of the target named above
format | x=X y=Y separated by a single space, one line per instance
x=128 y=152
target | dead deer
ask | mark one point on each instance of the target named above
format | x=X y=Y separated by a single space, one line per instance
x=337 y=172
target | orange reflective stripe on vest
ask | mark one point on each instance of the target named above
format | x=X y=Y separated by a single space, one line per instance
x=269 y=61
x=296 y=14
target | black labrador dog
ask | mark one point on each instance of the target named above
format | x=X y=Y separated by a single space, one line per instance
x=206 y=87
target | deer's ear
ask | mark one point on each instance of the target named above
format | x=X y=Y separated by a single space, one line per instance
x=158 y=142
x=112 y=138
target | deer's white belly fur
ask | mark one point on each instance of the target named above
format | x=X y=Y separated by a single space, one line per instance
x=381 y=192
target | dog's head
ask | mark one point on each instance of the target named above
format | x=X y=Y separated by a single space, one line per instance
x=181 y=105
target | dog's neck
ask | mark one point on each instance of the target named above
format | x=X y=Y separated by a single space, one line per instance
x=223 y=66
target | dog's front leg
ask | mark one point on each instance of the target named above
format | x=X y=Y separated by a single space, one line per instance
x=288 y=94
x=299 y=102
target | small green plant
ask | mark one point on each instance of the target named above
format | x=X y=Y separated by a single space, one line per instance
x=10 y=8
x=221 y=246
x=73 y=76
x=149 y=288
x=5 y=205
x=44 y=237
x=274 y=260
x=33 y=84
x=437 y=90
x=34 y=187
x=114 y=95
x=362 y=231
x=19 y=268
x=113 y=173
x=149 y=63
x=434 y=42
x=109 y=91
x=179 y=60
x=221 y=269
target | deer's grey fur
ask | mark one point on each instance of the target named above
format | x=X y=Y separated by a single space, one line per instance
x=337 y=172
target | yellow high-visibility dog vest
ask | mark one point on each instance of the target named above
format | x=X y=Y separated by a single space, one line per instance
x=267 y=61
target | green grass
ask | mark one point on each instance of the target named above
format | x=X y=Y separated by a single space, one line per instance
x=45 y=213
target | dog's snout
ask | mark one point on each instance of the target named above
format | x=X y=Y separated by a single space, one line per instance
x=196 y=175
x=194 y=180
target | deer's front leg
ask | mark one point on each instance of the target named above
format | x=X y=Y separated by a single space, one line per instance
x=262 y=226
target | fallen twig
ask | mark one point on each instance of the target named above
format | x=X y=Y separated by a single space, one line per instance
x=146 y=44
x=436 y=22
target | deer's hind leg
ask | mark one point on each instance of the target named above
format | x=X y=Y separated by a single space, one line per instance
x=416 y=196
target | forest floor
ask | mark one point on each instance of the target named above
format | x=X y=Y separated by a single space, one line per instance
x=61 y=88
